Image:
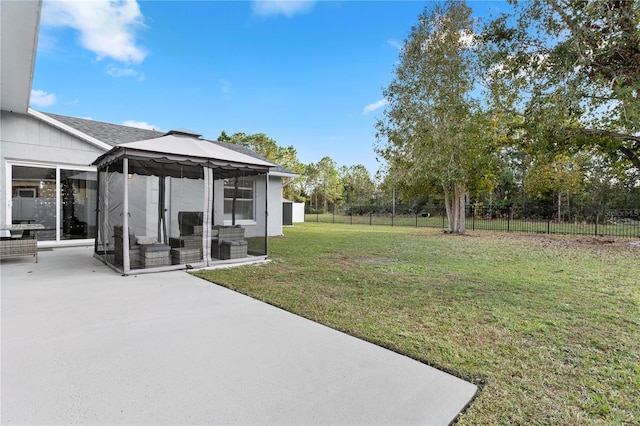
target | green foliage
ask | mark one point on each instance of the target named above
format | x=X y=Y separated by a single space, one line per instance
x=357 y=186
x=554 y=175
x=323 y=186
x=434 y=128
x=286 y=157
x=570 y=71
x=260 y=143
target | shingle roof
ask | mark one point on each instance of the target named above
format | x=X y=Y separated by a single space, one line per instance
x=112 y=134
x=115 y=134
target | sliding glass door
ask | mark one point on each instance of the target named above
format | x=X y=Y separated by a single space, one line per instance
x=62 y=199
x=78 y=191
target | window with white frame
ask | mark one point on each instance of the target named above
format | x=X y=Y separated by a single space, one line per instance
x=61 y=199
x=239 y=191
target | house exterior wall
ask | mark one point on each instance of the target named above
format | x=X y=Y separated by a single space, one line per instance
x=275 y=205
x=258 y=229
x=25 y=139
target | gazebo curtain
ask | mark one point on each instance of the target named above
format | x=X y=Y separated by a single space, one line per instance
x=143 y=199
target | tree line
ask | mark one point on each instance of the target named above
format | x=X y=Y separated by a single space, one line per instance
x=545 y=96
x=540 y=104
x=320 y=184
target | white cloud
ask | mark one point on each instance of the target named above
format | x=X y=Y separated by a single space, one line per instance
x=117 y=72
x=106 y=27
x=287 y=8
x=140 y=125
x=374 y=106
x=121 y=72
x=395 y=44
x=41 y=98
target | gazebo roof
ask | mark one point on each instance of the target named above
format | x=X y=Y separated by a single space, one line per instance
x=167 y=154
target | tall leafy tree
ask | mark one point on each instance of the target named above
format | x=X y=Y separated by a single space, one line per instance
x=286 y=157
x=310 y=179
x=261 y=144
x=569 y=71
x=322 y=184
x=329 y=183
x=559 y=176
x=433 y=127
x=357 y=186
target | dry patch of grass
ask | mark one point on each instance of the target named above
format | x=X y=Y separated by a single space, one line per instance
x=548 y=326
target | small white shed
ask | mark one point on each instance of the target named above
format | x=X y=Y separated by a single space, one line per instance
x=292 y=212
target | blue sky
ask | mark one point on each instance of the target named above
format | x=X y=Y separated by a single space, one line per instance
x=307 y=73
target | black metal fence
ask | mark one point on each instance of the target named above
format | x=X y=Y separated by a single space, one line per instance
x=585 y=220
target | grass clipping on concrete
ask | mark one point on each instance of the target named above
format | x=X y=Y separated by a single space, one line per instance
x=547 y=326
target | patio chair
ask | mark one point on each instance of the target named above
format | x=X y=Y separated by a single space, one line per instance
x=229 y=242
x=135 y=256
x=188 y=221
x=187 y=248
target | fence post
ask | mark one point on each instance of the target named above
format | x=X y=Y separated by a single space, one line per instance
x=370 y=216
x=416 y=219
x=334 y=214
x=597 y=219
x=473 y=220
x=393 y=208
x=509 y=219
x=351 y=217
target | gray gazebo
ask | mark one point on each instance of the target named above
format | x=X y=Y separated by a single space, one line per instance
x=179 y=198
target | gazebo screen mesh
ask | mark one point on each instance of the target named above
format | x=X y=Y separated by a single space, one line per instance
x=165 y=207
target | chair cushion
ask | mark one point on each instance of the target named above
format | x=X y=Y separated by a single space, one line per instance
x=145 y=241
x=155 y=247
x=235 y=243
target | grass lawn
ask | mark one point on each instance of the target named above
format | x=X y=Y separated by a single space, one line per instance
x=549 y=327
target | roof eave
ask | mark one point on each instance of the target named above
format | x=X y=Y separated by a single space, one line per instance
x=68 y=129
x=283 y=174
x=19 y=39
x=120 y=151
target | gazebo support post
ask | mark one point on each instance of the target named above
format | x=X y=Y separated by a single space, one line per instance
x=98 y=227
x=162 y=215
x=207 y=215
x=126 y=265
x=266 y=215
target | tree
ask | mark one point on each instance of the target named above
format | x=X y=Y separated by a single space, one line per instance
x=433 y=127
x=556 y=176
x=570 y=71
x=286 y=157
x=605 y=189
x=357 y=186
x=323 y=184
x=329 y=184
x=310 y=179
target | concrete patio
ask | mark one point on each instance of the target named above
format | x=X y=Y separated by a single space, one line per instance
x=84 y=345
